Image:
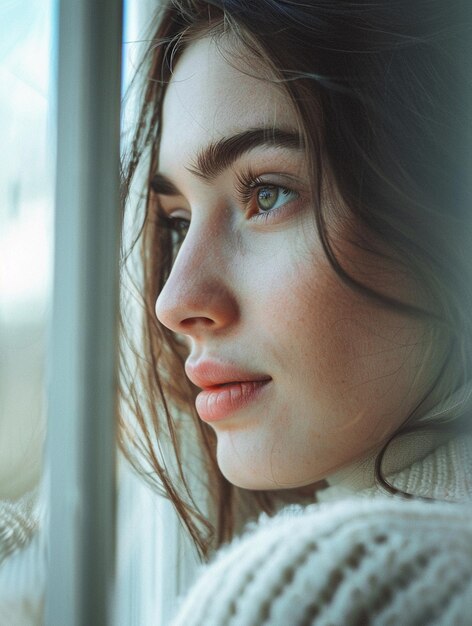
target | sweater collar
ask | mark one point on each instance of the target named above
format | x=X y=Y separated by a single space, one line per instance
x=413 y=462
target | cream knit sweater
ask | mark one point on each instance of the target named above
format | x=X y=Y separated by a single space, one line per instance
x=22 y=561
x=358 y=558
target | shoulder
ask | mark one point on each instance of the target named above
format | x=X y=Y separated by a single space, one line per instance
x=354 y=562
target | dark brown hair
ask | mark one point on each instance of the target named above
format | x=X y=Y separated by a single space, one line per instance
x=382 y=93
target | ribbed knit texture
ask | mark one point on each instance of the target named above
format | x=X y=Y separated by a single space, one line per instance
x=350 y=563
x=18 y=523
x=22 y=561
x=365 y=560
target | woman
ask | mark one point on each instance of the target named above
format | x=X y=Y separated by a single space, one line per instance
x=306 y=277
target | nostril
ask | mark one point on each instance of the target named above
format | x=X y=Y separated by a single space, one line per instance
x=191 y=322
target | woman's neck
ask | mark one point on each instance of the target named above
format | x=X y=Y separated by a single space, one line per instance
x=400 y=454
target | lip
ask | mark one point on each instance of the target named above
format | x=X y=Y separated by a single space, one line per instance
x=225 y=388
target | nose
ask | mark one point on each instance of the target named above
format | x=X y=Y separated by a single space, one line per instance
x=198 y=298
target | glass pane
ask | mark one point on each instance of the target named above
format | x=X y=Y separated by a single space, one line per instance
x=26 y=192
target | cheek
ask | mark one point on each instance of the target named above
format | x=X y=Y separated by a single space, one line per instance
x=346 y=373
x=282 y=281
x=347 y=359
x=363 y=362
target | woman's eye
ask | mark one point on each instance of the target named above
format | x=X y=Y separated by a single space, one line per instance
x=269 y=197
x=178 y=226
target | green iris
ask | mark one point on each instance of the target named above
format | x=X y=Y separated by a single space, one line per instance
x=267 y=197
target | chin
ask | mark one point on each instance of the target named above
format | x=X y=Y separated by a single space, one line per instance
x=241 y=477
x=246 y=474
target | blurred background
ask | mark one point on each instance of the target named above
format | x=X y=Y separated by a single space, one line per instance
x=26 y=214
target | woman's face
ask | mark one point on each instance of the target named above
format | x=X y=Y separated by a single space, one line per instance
x=300 y=376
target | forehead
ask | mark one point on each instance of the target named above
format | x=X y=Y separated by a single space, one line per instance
x=216 y=91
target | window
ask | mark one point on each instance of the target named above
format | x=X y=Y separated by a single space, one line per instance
x=57 y=330
x=26 y=201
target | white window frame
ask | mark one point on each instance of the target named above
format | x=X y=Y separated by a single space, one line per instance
x=81 y=430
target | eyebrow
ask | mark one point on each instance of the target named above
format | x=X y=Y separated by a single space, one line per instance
x=219 y=155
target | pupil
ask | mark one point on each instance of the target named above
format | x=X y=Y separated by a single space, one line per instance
x=267 y=197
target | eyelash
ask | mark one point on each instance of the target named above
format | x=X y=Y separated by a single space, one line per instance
x=248 y=185
x=247 y=188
